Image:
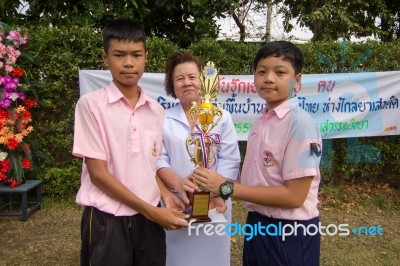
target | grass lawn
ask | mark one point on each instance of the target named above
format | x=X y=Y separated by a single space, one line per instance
x=51 y=235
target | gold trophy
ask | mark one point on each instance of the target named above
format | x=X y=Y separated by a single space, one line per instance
x=205 y=143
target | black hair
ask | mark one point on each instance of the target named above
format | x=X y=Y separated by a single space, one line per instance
x=287 y=50
x=123 y=30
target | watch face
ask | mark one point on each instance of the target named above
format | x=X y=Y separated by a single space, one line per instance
x=226 y=189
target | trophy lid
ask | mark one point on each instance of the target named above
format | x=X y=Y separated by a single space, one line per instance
x=209 y=80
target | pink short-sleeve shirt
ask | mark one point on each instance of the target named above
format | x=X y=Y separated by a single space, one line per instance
x=128 y=139
x=283 y=144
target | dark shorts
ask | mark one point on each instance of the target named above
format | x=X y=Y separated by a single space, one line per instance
x=262 y=250
x=120 y=240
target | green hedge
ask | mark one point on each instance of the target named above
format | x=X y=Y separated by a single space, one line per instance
x=60 y=53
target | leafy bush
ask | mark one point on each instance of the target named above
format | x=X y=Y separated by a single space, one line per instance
x=366 y=159
x=59 y=182
x=158 y=51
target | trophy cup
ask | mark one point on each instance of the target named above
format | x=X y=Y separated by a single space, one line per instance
x=203 y=142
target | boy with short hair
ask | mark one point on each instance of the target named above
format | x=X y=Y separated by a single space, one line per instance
x=118 y=133
x=280 y=176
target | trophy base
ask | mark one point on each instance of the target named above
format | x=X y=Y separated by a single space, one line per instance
x=198 y=209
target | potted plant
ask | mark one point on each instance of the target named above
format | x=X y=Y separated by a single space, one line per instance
x=15 y=116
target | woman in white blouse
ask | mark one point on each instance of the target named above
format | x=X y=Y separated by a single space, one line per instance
x=182 y=73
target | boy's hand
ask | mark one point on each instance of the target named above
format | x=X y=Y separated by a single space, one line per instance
x=208 y=179
x=218 y=203
x=169 y=218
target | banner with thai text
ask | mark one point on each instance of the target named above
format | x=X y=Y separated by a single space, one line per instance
x=343 y=105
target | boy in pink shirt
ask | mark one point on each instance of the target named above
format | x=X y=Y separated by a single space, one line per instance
x=118 y=133
x=280 y=176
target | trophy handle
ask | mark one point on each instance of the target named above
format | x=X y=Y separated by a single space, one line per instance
x=190 y=141
x=194 y=109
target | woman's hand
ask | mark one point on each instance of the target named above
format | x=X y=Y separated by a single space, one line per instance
x=171 y=200
x=186 y=185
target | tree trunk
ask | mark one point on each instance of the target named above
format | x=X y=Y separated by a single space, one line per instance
x=317 y=25
x=268 y=26
x=242 y=28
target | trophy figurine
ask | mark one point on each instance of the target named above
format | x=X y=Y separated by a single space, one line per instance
x=203 y=142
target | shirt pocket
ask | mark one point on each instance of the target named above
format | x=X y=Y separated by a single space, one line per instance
x=270 y=158
x=153 y=145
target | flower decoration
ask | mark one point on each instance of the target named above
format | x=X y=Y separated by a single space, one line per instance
x=15 y=116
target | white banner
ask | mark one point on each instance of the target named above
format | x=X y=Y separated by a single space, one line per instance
x=343 y=105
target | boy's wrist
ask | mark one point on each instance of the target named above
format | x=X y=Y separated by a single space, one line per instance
x=150 y=212
x=226 y=189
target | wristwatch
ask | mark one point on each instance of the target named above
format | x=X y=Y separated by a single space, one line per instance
x=226 y=189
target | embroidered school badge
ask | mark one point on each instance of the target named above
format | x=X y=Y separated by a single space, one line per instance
x=268 y=159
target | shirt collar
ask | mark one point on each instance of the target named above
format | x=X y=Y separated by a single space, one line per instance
x=114 y=95
x=282 y=109
x=177 y=112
